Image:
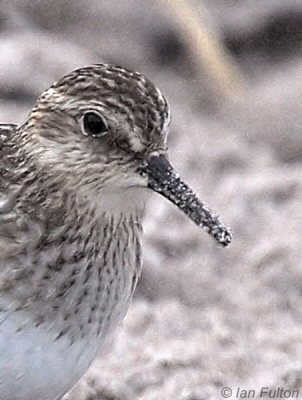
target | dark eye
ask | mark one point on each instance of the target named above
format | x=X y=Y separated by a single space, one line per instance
x=94 y=125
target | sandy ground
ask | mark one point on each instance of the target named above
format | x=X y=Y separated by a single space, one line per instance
x=202 y=317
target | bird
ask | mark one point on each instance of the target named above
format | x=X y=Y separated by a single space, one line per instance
x=74 y=180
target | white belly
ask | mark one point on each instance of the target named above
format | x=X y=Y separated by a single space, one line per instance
x=34 y=366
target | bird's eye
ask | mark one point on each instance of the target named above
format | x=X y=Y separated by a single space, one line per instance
x=94 y=124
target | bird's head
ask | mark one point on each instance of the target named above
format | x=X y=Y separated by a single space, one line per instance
x=106 y=128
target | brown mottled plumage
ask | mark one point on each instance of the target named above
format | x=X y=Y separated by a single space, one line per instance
x=73 y=183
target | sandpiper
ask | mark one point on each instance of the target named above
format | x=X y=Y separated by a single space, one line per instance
x=74 y=178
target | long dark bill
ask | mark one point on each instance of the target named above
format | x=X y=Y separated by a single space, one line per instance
x=163 y=179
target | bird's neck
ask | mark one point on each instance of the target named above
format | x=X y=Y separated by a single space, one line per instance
x=119 y=201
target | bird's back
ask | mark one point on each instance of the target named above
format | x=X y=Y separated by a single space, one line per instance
x=7 y=130
x=6 y=133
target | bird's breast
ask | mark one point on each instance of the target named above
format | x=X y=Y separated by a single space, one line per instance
x=71 y=293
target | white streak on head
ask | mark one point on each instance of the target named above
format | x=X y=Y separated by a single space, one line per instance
x=136 y=144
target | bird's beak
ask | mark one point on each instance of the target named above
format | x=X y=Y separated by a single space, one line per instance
x=162 y=178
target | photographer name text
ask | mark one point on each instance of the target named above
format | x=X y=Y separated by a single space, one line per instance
x=261 y=393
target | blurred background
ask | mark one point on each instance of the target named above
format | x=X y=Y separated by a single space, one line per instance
x=202 y=317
